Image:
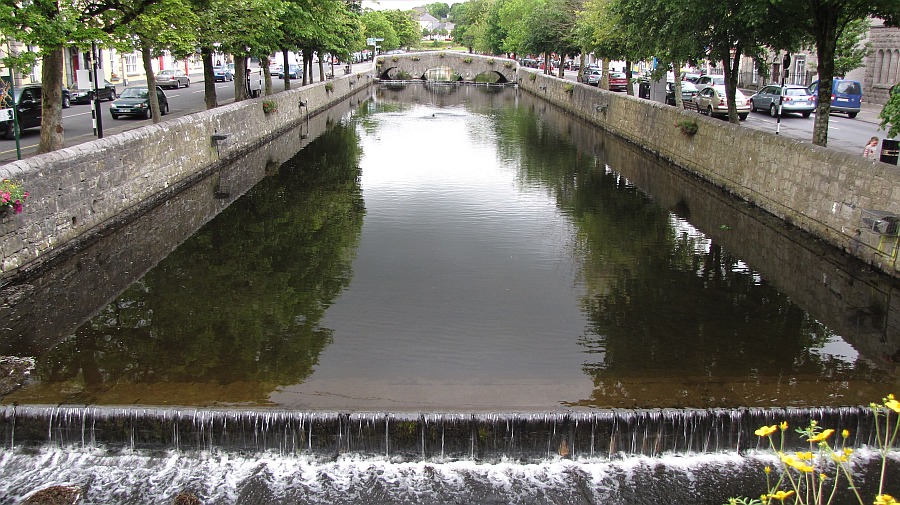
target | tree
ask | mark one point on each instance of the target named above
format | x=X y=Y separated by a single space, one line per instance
x=850 y=52
x=50 y=26
x=405 y=27
x=439 y=10
x=376 y=25
x=890 y=114
x=552 y=30
x=167 y=25
x=825 y=22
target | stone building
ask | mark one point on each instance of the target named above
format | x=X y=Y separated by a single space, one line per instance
x=881 y=69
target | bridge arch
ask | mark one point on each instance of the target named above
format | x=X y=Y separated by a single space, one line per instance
x=466 y=66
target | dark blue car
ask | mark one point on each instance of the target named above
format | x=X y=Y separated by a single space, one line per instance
x=846 y=96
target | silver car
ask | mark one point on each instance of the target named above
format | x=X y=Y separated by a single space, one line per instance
x=172 y=79
x=795 y=99
x=592 y=76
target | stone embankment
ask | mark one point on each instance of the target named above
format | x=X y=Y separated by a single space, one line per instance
x=77 y=193
x=835 y=196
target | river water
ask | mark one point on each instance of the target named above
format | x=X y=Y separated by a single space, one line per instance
x=447 y=249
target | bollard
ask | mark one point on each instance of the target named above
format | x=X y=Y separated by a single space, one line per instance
x=890 y=150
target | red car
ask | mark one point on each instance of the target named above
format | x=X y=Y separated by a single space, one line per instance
x=617 y=81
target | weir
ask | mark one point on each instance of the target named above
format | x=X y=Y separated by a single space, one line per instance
x=489 y=437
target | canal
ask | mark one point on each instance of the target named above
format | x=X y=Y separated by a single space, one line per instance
x=452 y=249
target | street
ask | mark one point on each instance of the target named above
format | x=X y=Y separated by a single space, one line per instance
x=182 y=101
x=847 y=135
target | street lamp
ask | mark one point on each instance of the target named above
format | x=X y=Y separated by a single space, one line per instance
x=785 y=65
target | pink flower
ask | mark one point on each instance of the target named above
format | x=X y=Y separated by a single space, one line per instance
x=17 y=207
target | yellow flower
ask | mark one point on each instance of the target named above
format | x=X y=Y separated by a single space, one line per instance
x=892 y=404
x=781 y=495
x=804 y=456
x=885 y=499
x=795 y=463
x=845 y=433
x=783 y=425
x=822 y=476
x=766 y=431
x=840 y=458
x=767 y=469
x=824 y=435
x=848 y=451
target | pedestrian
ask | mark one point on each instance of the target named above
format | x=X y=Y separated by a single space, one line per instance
x=869 y=151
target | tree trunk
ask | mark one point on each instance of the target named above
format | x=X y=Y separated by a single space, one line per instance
x=287 y=70
x=562 y=66
x=604 y=76
x=826 y=41
x=151 y=82
x=264 y=63
x=547 y=70
x=676 y=72
x=321 y=68
x=582 y=60
x=52 y=132
x=209 y=79
x=629 y=87
x=240 y=78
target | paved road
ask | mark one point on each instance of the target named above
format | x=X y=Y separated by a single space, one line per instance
x=848 y=135
x=79 y=127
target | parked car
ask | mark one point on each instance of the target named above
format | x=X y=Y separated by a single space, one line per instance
x=27 y=100
x=172 y=79
x=617 y=81
x=711 y=100
x=222 y=73
x=293 y=72
x=105 y=92
x=688 y=92
x=275 y=70
x=135 y=101
x=846 y=96
x=710 y=80
x=592 y=76
x=794 y=99
x=690 y=77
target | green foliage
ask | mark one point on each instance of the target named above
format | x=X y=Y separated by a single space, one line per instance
x=890 y=114
x=687 y=126
x=329 y=87
x=439 y=10
x=405 y=26
x=376 y=24
x=467 y=60
x=569 y=88
x=851 y=50
x=269 y=106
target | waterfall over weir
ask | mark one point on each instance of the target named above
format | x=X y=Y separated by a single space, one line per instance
x=488 y=437
x=148 y=455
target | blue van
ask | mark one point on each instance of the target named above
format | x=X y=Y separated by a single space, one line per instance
x=846 y=96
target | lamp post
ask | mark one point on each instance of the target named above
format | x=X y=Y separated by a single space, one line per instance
x=785 y=64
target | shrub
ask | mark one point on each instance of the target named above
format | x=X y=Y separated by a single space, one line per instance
x=269 y=106
x=569 y=88
x=467 y=60
x=687 y=126
x=329 y=87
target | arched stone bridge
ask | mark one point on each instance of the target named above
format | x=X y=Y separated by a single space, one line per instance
x=466 y=66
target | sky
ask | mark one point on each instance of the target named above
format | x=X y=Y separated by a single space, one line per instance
x=401 y=4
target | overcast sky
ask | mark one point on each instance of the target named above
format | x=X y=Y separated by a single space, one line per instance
x=402 y=4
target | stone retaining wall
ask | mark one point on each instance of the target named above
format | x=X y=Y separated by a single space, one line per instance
x=820 y=190
x=78 y=192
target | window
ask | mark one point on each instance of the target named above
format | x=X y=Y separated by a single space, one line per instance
x=131 y=64
x=799 y=76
